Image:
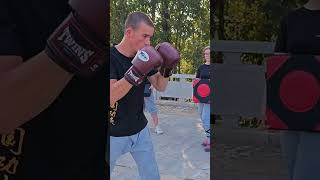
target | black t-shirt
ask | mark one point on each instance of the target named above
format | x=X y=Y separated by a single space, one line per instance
x=300 y=32
x=126 y=117
x=67 y=141
x=203 y=72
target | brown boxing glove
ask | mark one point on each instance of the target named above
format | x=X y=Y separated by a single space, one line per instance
x=145 y=60
x=79 y=44
x=171 y=58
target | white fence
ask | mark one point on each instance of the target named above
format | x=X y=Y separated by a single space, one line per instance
x=179 y=86
x=239 y=89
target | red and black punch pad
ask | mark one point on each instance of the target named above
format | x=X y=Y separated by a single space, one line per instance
x=201 y=91
x=293 y=92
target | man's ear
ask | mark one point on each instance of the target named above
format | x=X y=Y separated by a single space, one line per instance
x=128 y=32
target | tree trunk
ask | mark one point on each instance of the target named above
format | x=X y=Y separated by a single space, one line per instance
x=220 y=4
x=165 y=20
x=220 y=14
x=153 y=10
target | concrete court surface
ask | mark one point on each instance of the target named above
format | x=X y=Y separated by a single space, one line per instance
x=242 y=154
x=179 y=153
x=247 y=154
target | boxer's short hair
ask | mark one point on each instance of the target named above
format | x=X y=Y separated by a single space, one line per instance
x=135 y=18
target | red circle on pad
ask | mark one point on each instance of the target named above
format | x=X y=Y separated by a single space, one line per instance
x=203 y=90
x=299 y=91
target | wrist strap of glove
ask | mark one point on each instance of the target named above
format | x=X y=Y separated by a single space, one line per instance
x=74 y=49
x=133 y=76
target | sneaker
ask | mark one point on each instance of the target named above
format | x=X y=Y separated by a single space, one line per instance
x=158 y=130
x=205 y=142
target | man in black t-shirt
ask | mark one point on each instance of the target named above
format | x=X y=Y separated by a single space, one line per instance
x=52 y=118
x=300 y=34
x=132 y=61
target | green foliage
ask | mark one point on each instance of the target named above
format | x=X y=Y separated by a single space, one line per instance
x=186 y=26
x=252 y=20
x=245 y=21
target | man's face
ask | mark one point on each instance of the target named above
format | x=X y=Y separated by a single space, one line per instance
x=141 y=36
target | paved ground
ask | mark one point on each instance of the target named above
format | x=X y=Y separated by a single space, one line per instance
x=241 y=154
x=247 y=154
x=179 y=152
x=248 y=163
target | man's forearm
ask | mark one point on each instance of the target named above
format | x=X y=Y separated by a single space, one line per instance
x=28 y=89
x=118 y=90
x=161 y=83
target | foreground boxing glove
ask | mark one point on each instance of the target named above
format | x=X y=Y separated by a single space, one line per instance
x=170 y=56
x=79 y=44
x=145 y=60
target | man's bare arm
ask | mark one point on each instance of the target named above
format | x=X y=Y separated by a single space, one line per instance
x=159 y=82
x=28 y=88
x=118 y=89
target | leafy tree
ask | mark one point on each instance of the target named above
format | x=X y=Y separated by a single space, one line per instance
x=251 y=20
x=185 y=24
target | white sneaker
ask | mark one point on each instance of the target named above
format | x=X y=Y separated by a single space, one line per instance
x=158 y=130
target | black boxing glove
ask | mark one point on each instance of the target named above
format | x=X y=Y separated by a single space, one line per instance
x=171 y=58
x=145 y=60
x=79 y=44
